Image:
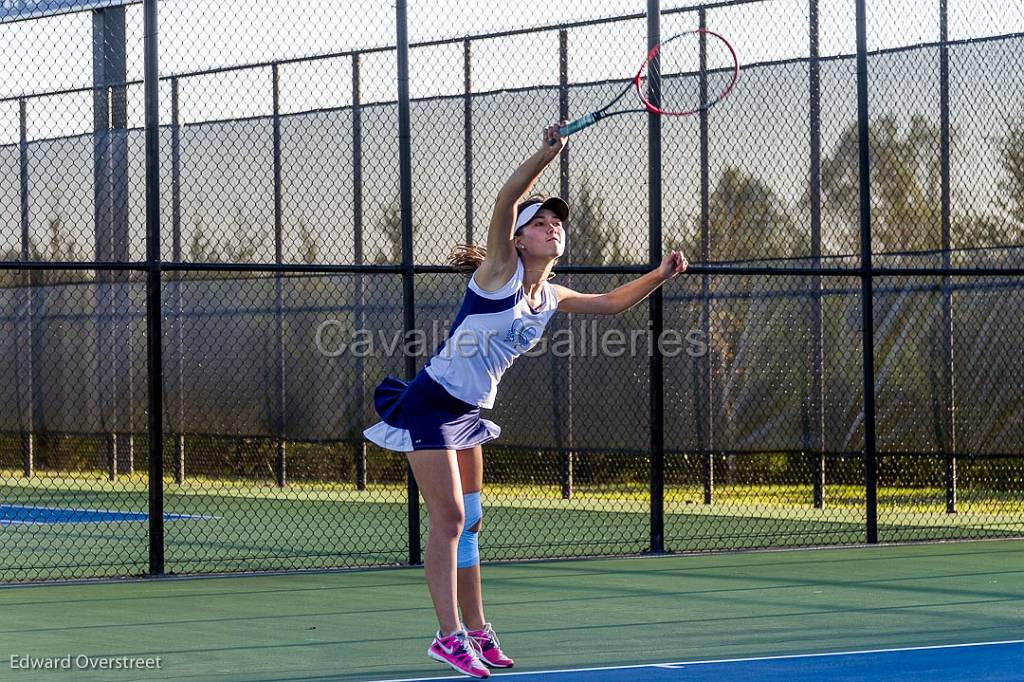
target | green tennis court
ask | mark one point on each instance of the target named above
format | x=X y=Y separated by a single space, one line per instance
x=605 y=612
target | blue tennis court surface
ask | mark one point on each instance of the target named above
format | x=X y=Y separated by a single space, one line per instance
x=986 y=661
x=25 y=515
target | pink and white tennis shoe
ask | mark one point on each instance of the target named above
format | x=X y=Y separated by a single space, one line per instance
x=460 y=652
x=489 y=649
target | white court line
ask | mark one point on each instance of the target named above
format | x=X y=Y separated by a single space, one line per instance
x=680 y=664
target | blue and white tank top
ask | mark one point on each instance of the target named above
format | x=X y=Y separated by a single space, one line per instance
x=491 y=329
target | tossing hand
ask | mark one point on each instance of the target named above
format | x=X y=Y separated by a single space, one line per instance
x=672 y=264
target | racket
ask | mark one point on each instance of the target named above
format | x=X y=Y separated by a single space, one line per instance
x=698 y=70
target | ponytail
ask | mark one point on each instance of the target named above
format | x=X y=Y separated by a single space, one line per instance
x=467 y=257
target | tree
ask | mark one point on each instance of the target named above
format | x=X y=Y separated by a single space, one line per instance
x=749 y=221
x=59 y=247
x=1011 y=201
x=203 y=248
x=309 y=245
x=239 y=246
x=390 y=229
x=982 y=231
x=388 y=237
x=905 y=191
x=592 y=237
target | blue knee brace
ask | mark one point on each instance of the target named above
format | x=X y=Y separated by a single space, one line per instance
x=469 y=549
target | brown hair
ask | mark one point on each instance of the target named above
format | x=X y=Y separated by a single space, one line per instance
x=467 y=257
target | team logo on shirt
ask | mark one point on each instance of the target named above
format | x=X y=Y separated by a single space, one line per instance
x=521 y=335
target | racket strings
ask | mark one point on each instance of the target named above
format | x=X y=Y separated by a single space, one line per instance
x=681 y=80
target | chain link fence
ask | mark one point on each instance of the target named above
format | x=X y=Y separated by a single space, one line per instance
x=317 y=162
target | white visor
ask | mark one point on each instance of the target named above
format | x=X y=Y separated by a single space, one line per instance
x=555 y=204
x=526 y=215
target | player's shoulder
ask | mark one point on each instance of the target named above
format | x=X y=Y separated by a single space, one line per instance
x=494 y=276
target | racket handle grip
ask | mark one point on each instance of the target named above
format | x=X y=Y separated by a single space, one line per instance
x=578 y=125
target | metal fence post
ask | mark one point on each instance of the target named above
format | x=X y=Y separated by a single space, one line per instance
x=656 y=306
x=467 y=140
x=110 y=180
x=24 y=307
x=563 y=385
x=357 y=220
x=705 y=425
x=103 y=65
x=154 y=323
x=816 y=431
x=949 y=424
x=867 y=280
x=408 y=282
x=116 y=51
x=280 y=399
x=177 y=359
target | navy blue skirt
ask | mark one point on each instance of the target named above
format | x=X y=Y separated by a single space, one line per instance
x=422 y=415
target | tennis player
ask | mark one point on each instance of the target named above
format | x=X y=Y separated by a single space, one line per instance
x=436 y=418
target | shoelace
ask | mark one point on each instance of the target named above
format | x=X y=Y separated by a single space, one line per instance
x=489 y=631
x=477 y=646
x=494 y=638
x=466 y=646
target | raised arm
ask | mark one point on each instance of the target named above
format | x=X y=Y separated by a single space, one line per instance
x=623 y=297
x=500 y=262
